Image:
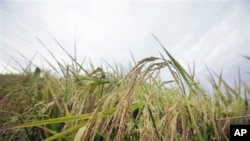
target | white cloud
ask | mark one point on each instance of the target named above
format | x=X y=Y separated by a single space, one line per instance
x=108 y=30
x=5 y=69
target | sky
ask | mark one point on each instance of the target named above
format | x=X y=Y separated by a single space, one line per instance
x=212 y=33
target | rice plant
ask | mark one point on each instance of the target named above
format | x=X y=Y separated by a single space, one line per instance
x=96 y=104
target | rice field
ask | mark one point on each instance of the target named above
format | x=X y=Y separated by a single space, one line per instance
x=102 y=103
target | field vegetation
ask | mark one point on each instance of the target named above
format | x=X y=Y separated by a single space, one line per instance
x=85 y=103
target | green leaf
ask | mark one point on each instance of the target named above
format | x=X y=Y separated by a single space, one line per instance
x=33 y=80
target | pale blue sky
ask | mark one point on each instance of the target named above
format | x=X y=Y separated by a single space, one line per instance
x=210 y=32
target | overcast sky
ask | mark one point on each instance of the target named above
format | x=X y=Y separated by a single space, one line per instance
x=210 y=32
